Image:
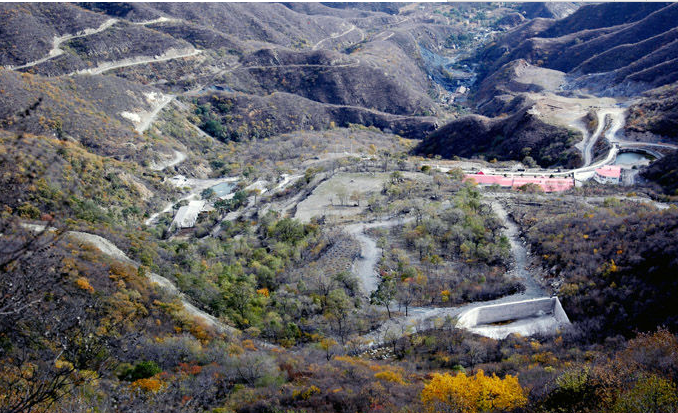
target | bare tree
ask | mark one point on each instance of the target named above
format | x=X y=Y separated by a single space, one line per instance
x=41 y=322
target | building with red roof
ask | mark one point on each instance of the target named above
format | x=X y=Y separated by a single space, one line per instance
x=546 y=184
x=609 y=174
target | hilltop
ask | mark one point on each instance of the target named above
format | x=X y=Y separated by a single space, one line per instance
x=599 y=57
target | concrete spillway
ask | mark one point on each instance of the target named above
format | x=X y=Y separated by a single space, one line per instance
x=527 y=317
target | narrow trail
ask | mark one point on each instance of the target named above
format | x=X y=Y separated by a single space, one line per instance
x=108 y=248
x=336 y=36
x=262 y=67
x=179 y=157
x=365 y=267
x=150 y=118
x=170 y=54
x=106 y=66
x=158 y=20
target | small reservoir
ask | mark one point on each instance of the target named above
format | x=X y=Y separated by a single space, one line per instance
x=629 y=159
x=223 y=189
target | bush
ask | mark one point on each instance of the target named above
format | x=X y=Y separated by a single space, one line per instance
x=142 y=370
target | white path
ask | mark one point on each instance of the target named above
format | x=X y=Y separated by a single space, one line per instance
x=106 y=66
x=178 y=158
x=147 y=120
x=58 y=40
x=365 y=266
x=338 y=35
x=169 y=54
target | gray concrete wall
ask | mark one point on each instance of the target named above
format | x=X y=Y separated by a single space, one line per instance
x=540 y=315
x=559 y=312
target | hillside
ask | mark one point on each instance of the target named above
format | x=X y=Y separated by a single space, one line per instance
x=583 y=42
x=522 y=135
x=338 y=207
x=597 y=58
x=82 y=108
x=39 y=24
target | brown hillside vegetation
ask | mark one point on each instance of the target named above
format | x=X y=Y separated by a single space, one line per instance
x=243 y=208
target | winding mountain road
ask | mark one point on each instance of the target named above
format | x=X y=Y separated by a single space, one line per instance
x=170 y=54
x=106 y=66
x=58 y=40
x=336 y=36
x=365 y=266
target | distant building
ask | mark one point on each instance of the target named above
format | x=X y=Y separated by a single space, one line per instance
x=187 y=215
x=546 y=184
x=610 y=174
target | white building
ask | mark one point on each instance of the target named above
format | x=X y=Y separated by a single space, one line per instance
x=187 y=215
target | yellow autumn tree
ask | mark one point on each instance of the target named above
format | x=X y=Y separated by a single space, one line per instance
x=472 y=394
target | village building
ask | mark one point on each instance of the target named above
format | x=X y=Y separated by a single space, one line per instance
x=610 y=174
x=546 y=184
x=187 y=215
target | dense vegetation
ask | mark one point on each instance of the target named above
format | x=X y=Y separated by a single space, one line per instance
x=446 y=256
x=614 y=263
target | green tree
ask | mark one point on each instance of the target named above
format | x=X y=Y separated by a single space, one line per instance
x=651 y=394
x=338 y=312
x=385 y=293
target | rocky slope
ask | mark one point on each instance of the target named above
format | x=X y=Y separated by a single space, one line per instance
x=519 y=136
x=558 y=66
x=595 y=39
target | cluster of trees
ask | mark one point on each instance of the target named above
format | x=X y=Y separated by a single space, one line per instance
x=216 y=119
x=472 y=394
x=445 y=256
x=211 y=124
x=266 y=280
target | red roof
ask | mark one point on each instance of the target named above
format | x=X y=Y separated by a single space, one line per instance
x=546 y=184
x=609 y=171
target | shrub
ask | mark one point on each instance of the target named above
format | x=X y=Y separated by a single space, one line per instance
x=142 y=370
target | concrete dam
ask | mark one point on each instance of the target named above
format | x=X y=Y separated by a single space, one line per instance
x=527 y=317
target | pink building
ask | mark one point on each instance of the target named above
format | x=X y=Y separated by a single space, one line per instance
x=610 y=174
x=546 y=184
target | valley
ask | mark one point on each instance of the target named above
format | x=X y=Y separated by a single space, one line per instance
x=249 y=207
